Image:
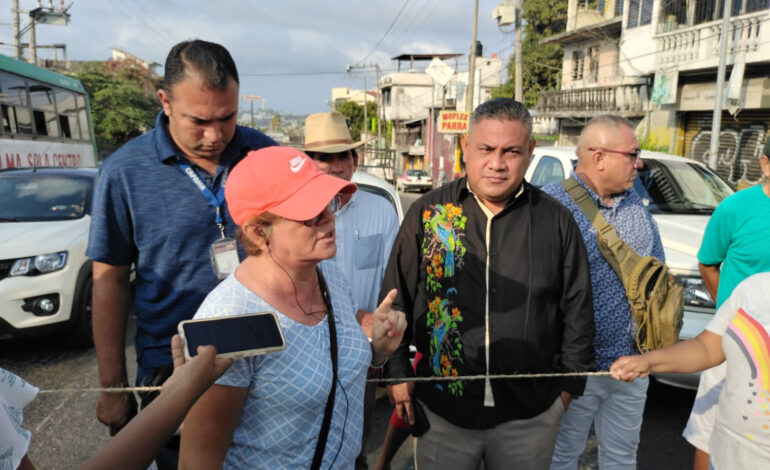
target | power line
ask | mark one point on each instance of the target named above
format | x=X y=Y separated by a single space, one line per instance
x=408 y=29
x=140 y=23
x=460 y=63
x=406 y=2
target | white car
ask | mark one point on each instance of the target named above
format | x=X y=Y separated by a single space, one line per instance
x=681 y=194
x=45 y=277
x=414 y=179
x=380 y=187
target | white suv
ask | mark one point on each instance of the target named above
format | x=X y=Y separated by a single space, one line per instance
x=681 y=194
x=45 y=277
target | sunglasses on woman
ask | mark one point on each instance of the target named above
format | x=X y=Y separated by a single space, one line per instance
x=334 y=204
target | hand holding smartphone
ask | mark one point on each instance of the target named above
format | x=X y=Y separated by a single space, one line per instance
x=233 y=336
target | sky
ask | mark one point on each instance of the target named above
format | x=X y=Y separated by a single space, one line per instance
x=290 y=52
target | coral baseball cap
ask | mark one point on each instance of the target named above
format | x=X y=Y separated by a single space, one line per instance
x=283 y=181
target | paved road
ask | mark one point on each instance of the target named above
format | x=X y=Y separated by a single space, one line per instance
x=65 y=431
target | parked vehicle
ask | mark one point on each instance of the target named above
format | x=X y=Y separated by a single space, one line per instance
x=380 y=187
x=46 y=118
x=414 y=180
x=681 y=195
x=45 y=277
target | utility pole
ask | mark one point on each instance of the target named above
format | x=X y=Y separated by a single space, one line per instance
x=39 y=15
x=363 y=136
x=519 y=83
x=380 y=110
x=16 y=30
x=509 y=13
x=379 y=105
x=32 y=42
x=716 y=123
x=472 y=62
x=251 y=99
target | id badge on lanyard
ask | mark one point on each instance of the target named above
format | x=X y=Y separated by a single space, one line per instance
x=224 y=254
x=224 y=251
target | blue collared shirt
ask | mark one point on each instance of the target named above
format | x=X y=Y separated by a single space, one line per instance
x=615 y=328
x=365 y=227
x=147 y=211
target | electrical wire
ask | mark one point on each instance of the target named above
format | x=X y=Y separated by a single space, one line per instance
x=406 y=2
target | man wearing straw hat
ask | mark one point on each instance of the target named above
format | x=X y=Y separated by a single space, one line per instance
x=366 y=226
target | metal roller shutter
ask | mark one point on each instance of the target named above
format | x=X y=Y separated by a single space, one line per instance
x=740 y=143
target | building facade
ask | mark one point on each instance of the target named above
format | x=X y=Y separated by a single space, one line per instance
x=413 y=99
x=655 y=62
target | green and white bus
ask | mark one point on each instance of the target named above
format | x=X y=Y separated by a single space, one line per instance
x=46 y=118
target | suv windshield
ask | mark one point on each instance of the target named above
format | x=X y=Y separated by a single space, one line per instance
x=40 y=197
x=679 y=187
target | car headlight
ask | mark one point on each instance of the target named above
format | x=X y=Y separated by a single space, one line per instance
x=39 y=264
x=695 y=292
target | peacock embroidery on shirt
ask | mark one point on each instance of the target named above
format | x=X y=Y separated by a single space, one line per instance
x=443 y=251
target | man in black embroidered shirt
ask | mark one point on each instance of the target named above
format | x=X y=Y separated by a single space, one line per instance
x=493 y=277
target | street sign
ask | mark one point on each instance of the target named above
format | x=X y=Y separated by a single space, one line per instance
x=453 y=122
x=252 y=98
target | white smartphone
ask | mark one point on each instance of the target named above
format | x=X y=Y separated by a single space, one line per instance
x=234 y=336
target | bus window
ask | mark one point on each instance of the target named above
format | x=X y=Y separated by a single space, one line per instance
x=68 y=118
x=85 y=131
x=44 y=115
x=9 y=119
x=13 y=95
x=43 y=109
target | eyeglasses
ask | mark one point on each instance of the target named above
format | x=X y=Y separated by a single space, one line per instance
x=333 y=206
x=635 y=155
x=330 y=157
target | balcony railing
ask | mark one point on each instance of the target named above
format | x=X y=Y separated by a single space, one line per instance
x=626 y=100
x=700 y=43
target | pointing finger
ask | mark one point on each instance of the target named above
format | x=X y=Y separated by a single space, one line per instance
x=387 y=302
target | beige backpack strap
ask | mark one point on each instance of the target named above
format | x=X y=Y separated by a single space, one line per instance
x=619 y=250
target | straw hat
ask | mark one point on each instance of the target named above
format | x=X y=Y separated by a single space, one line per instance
x=328 y=133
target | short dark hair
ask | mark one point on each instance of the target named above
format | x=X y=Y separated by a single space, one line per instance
x=211 y=61
x=502 y=109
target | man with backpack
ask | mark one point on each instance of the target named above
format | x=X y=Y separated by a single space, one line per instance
x=609 y=158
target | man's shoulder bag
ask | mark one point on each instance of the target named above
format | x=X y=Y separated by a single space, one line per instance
x=657 y=302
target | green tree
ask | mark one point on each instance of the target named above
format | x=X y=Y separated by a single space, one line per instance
x=354 y=115
x=123 y=100
x=275 y=122
x=541 y=63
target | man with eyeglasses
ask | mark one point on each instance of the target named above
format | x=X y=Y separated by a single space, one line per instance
x=366 y=226
x=609 y=158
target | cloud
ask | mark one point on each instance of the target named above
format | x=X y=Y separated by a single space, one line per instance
x=277 y=36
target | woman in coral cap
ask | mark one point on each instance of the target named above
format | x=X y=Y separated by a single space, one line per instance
x=268 y=411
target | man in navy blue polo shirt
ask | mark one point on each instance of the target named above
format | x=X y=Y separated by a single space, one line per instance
x=159 y=204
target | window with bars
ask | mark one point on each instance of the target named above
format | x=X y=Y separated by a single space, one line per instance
x=578 y=62
x=677 y=13
x=593 y=64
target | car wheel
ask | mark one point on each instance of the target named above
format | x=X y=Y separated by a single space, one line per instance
x=81 y=335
